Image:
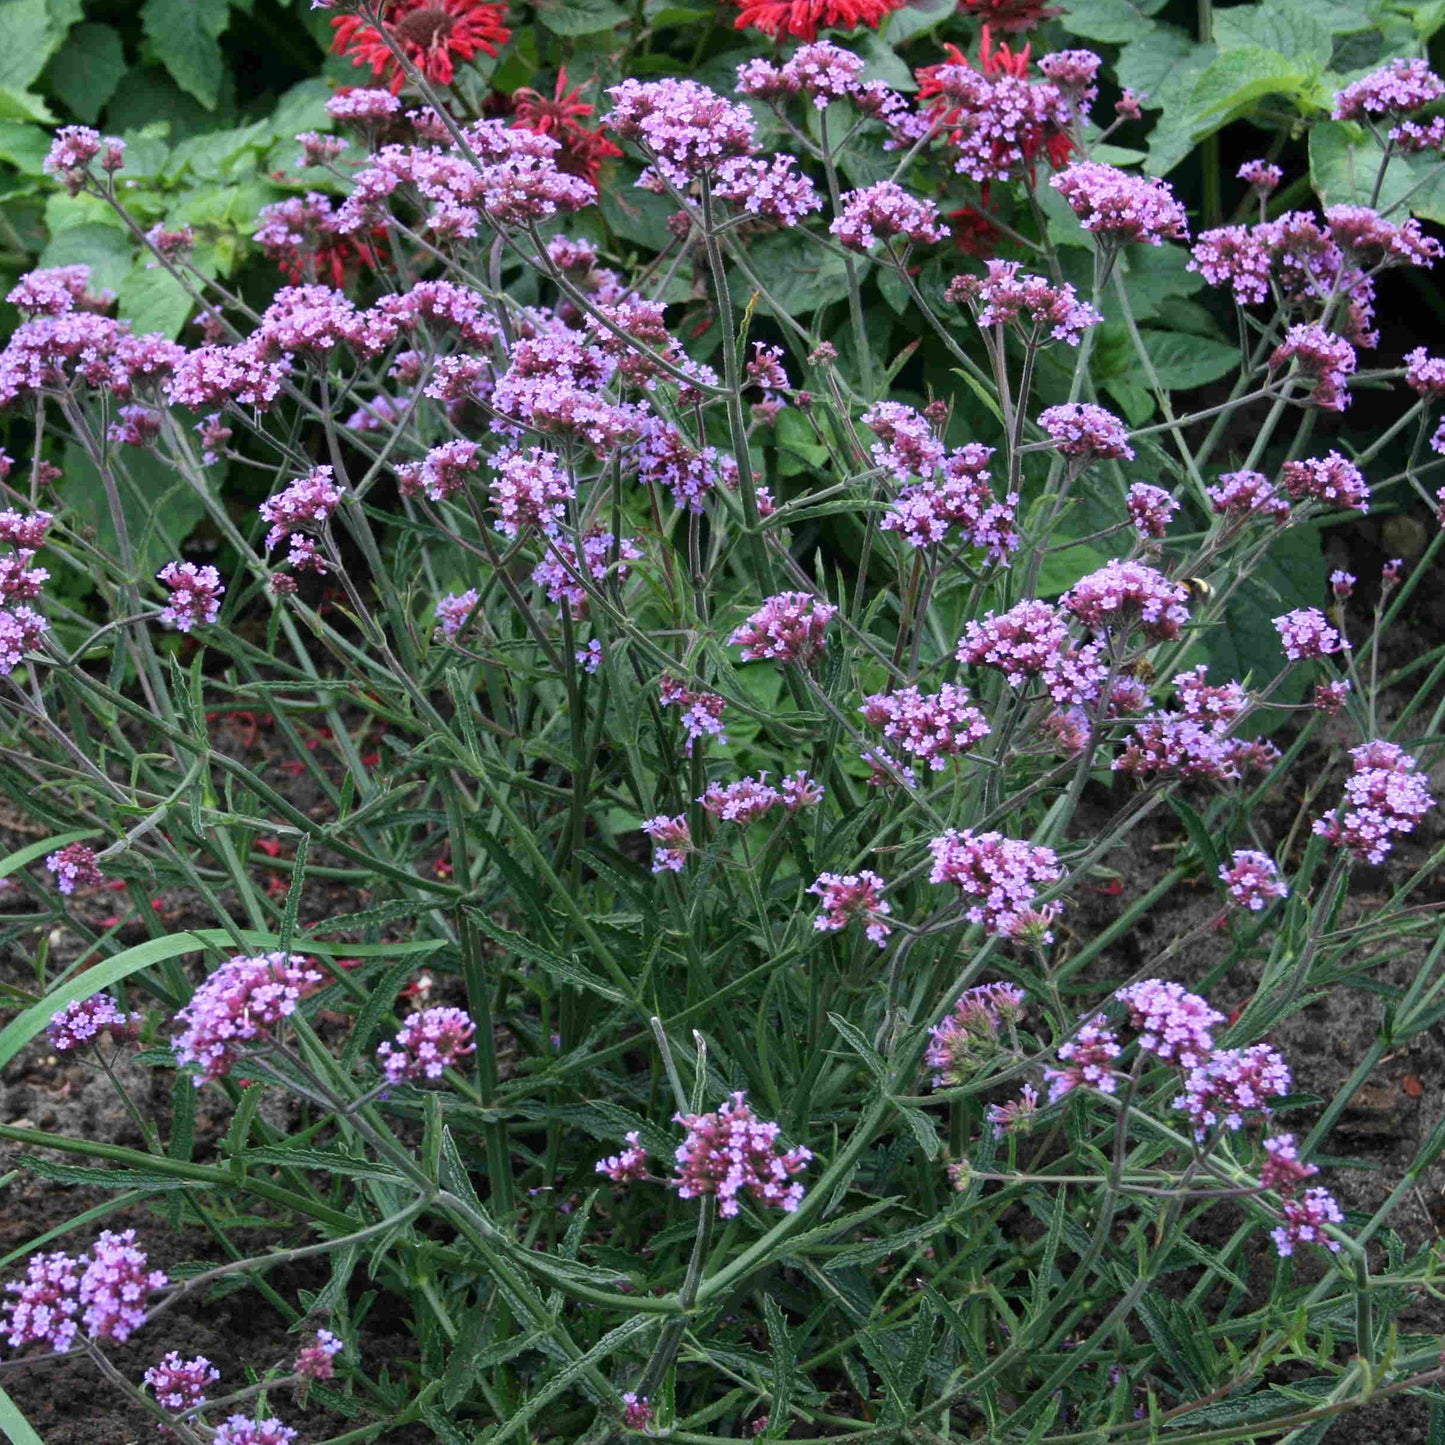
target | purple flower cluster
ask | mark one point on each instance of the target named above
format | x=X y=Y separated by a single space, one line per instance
x=179 y=1384
x=1173 y=1023
x=74 y=866
x=731 y=1153
x=1305 y=1219
x=429 y=1043
x=302 y=508
x=46 y=1306
x=626 y=1165
x=453 y=610
x=316 y=1361
x=1123 y=595
x=1030 y=640
x=1385 y=796
x=240 y=1003
x=73 y=150
x=930 y=727
x=1304 y=633
x=1150 y=508
x=195 y=595
x=971 y=1033
x=1120 y=208
x=1219 y=1091
x=83 y=1021
x=1325 y=359
x=1394 y=89
x=685 y=129
x=1000 y=877
x=749 y=799
x=1252 y=879
x=701 y=711
x=671 y=840
x=1247 y=494
x=114 y=1282
x=851 y=896
x=1088 y=1060
x=239 y=1430
x=561 y=573
x=883 y=211
x=1039 y=309
x=789 y=627
x=1081 y=429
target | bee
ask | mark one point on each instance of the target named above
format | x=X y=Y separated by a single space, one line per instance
x=1198 y=589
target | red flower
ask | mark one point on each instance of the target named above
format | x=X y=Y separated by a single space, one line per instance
x=560 y=116
x=431 y=32
x=1010 y=15
x=973 y=232
x=803 y=17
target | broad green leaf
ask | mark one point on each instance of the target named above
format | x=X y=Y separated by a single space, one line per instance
x=1285 y=26
x=916 y=18
x=185 y=36
x=21 y=105
x=1235 y=81
x=105 y=249
x=1112 y=21
x=1344 y=164
x=579 y=17
x=1154 y=57
x=799 y=276
x=1061 y=569
x=32 y=35
x=87 y=69
x=151 y=299
x=1183 y=362
x=23 y=146
x=881 y=62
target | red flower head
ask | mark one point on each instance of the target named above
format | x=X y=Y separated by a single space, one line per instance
x=973 y=232
x=560 y=116
x=431 y=32
x=1010 y=15
x=803 y=17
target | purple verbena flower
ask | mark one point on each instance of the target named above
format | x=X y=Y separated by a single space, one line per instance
x=75 y=867
x=1173 y=1023
x=1304 y=633
x=1230 y=1083
x=195 y=598
x=1385 y=796
x=1252 y=879
x=114 y=1283
x=787 y=628
x=999 y=877
x=82 y=1021
x=731 y=1153
x=853 y=896
x=629 y=1164
x=1081 y=429
x=179 y=1384
x=429 y=1043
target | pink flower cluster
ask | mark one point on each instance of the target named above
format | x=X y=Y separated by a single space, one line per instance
x=1325 y=359
x=671 y=841
x=195 y=595
x=789 y=627
x=240 y=1430
x=883 y=212
x=851 y=896
x=1088 y=1060
x=430 y=1042
x=1252 y=879
x=178 y=1384
x=75 y=867
x=1305 y=1219
x=82 y=1021
x=1247 y=494
x=1384 y=797
x=453 y=610
x=1039 y=309
x=1394 y=89
x=114 y=1282
x=701 y=711
x=303 y=507
x=749 y=799
x=316 y=1361
x=685 y=129
x=72 y=151
x=1032 y=639
x=1220 y=1090
x=1120 y=208
x=1123 y=595
x=1081 y=429
x=731 y=1153
x=630 y=1163
x=971 y=1034
x=1304 y=633
x=240 y=1003
x=1000 y=877
x=1173 y=1023
x=1150 y=508
x=932 y=728
x=1332 y=479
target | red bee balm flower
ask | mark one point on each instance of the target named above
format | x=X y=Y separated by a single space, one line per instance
x=431 y=32
x=803 y=17
x=560 y=116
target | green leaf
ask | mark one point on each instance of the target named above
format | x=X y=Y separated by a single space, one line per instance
x=1344 y=162
x=1112 y=21
x=799 y=276
x=579 y=17
x=21 y=105
x=87 y=69
x=1235 y=81
x=1155 y=57
x=151 y=299
x=185 y=35
x=159 y=507
x=105 y=249
x=23 y=146
x=1183 y=362
x=32 y=36
x=16 y=1427
x=916 y=18
x=1285 y=26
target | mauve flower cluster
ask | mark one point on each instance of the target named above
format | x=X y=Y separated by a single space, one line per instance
x=429 y=1043
x=999 y=878
x=749 y=799
x=74 y=866
x=1220 y=1090
x=1252 y=879
x=1120 y=208
x=671 y=840
x=115 y=1280
x=789 y=627
x=731 y=1153
x=21 y=627
x=630 y=1163
x=195 y=595
x=1039 y=309
x=701 y=711
x=301 y=509
x=1385 y=796
x=240 y=1430
x=1304 y=633
x=851 y=896
x=1081 y=429
x=930 y=727
x=684 y=129
x=1173 y=1023
x=178 y=1384
x=1332 y=479
x=882 y=212
x=1088 y=1060
x=239 y=1004
x=316 y=1361
x=972 y=1032
x=1239 y=495
x=1324 y=359
x=1395 y=89
x=1123 y=595
x=84 y=1020
x=1032 y=639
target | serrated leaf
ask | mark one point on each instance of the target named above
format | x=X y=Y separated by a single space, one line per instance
x=185 y=35
x=1183 y=362
x=105 y=249
x=579 y=17
x=1112 y=21
x=1235 y=81
x=87 y=69
x=1285 y=26
x=151 y=299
